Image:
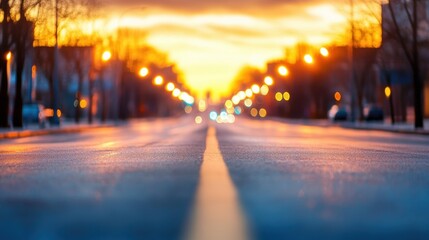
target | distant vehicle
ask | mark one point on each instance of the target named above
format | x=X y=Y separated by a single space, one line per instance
x=337 y=113
x=33 y=113
x=373 y=113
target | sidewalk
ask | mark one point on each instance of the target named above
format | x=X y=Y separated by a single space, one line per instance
x=407 y=128
x=65 y=127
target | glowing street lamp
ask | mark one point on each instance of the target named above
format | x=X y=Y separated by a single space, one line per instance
x=324 y=52
x=308 y=59
x=143 y=72
x=170 y=87
x=283 y=71
x=387 y=91
x=337 y=96
x=8 y=56
x=158 y=80
x=268 y=80
x=106 y=56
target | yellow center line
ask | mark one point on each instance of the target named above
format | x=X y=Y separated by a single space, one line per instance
x=217 y=214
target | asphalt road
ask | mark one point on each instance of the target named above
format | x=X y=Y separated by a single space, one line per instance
x=174 y=179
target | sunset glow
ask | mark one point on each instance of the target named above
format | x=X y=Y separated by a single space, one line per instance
x=210 y=41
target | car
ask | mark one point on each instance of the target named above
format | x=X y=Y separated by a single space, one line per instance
x=33 y=113
x=373 y=113
x=337 y=113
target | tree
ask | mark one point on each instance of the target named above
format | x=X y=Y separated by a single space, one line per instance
x=22 y=37
x=406 y=31
x=4 y=49
x=365 y=31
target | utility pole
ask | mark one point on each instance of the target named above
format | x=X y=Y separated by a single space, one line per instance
x=55 y=84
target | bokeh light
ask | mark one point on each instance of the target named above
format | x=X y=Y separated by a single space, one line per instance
x=268 y=80
x=278 y=96
x=143 y=72
x=262 y=112
x=254 y=112
x=264 y=90
x=337 y=96
x=387 y=91
x=198 y=119
x=248 y=102
x=286 y=96
x=158 y=80
x=308 y=59
x=283 y=71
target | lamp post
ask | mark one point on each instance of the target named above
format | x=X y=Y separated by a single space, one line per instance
x=105 y=57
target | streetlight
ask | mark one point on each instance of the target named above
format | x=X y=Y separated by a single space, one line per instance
x=337 y=96
x=143 y=72
x=324 y=52
x=170 y=87
x=308 y=59
x=105 y=57
x=283 y=71
x=158 y=80
x=268 y=80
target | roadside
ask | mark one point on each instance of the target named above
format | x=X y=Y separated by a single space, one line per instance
x=65 y=127
x=405 y=128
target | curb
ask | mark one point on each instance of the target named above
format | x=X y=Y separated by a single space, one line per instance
x=41 y=132
x=422 y=132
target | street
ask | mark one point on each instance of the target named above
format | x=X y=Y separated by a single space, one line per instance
x=175 y=179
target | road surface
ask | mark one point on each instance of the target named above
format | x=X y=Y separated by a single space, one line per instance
x=174 y=179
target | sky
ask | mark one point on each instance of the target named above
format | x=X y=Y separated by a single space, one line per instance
x=210 y=40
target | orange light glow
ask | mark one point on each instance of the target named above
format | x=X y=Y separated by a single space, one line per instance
x=324 y=52
x=337 y=96
x=286 y=96
x=278 y=96
x=83 y=103
x=262 y=112
x=242 y=95
x=170 y=87
x=264 y=90
x=158 y=80
x=283 y=71
x=387 y=91
x=144 y=71
x=308 y=59
x=249 y=92
x=228 y=104
x=248 y=102
x=9 y=56
x=176 y=92
x=254 y=112
x=106 y=56
x=255 y=89
x=236 y=99
x=268 y=80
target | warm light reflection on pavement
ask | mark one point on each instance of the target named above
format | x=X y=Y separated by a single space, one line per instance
x=217 y=213
x=277 y=180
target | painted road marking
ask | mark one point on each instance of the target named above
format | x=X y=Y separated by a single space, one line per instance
x=217 y=214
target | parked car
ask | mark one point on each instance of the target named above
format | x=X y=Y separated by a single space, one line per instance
x=373 y=113
x=337 y=113
x=33 y=113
